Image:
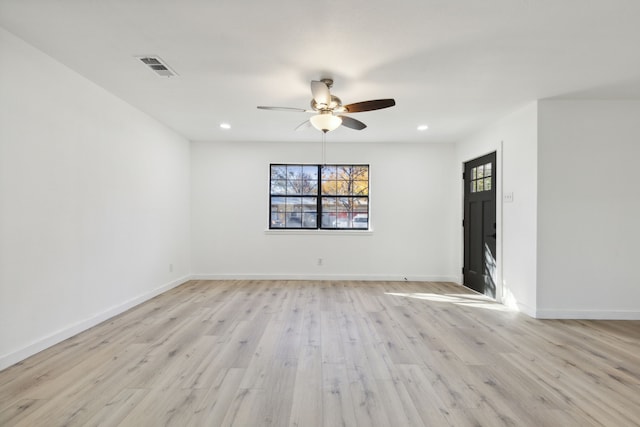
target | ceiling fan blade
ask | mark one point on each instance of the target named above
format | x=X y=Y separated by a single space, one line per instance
x=304 y=125
x=320 y=92
x=352 y=123
x=376 y=104
x=299 y=110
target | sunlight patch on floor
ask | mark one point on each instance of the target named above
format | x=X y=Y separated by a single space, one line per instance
x=467 y=300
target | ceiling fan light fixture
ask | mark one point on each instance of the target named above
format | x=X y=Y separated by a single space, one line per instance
x=325 y=122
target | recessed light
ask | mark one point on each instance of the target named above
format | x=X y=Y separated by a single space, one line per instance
x=423 y=127
x=225 y=125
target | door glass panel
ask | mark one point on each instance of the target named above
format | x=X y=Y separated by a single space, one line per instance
x=487 y=169
x=480 y=172
x=473 y=186
x=473 y=173
x=487 y=184
x=479 y=185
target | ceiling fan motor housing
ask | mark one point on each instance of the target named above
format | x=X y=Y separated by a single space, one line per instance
x=334 y=103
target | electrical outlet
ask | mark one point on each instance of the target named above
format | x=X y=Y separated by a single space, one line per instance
x=507 y=197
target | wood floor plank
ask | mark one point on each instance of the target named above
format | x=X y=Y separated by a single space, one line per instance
x=333 y=353
x=116 y=409
x=19 y=410
x=306 y=409
x=216 y=403
x=338 y=405
x=244 y=409
x=397 y=404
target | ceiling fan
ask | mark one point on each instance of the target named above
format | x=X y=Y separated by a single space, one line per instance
x=330 y=111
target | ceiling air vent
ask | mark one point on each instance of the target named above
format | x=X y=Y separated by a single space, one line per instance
x=157 y=65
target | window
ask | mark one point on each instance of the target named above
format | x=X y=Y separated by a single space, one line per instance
x=319 y=196
x=481 y=178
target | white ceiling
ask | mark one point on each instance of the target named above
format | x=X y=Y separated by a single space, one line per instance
x=455 y=65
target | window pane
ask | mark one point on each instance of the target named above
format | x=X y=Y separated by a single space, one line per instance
x=328 y=172
x=361 y=188
x=277 y=212
x=294 y=171
x=360 y=221
x=309 y=204
x=294 y=187
x=360 y=205
x=344 y=188
x=487 y=169
x=343 y=215
x=278 y=172
x=293 y=221
x=473 y=173
x=310 y=173
x=329 y=220
x=343 y=220
x=480 y=172
x=479 y=185
x=344 y=204
x=473 y=186
x=361 y=173
x=329 y=204
x=310 y=187
x=344 y=173
x=277 y=204
x=309 y=219
x=329 y=188
x=278 y=187
x=487 y=183
x=293 y=204
x=277 y=220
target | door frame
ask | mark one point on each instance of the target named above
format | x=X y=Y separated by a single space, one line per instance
x=500 y=296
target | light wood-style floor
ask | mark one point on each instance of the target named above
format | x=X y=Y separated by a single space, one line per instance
x=298 y=353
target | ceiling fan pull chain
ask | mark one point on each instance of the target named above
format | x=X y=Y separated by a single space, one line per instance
x=324 y=148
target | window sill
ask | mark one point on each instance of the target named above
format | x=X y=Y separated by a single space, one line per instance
x=318 y=232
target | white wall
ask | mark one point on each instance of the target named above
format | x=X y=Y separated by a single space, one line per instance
x=589 y=209
x=514 y=138
x=413 y=214
x=94 y=203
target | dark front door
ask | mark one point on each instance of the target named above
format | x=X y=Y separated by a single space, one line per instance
x=480 y=224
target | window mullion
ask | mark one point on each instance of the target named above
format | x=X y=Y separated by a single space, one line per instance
x=319 y=199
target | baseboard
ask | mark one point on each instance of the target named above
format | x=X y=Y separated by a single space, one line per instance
x=523 y=308
x=323 y=277
x=61 y=335
x=587 y=314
